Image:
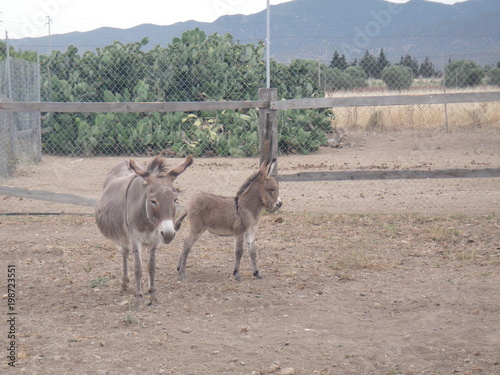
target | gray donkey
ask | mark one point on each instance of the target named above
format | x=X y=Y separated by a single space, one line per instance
x=137 y=209
x=236 y=216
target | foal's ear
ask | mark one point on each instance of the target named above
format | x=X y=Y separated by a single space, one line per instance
x=270 y=168
x=267 y=167
x=138 y=170
x=181 y=168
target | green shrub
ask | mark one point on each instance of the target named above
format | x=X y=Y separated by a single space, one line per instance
x=494 y=77
x=336 y=79
x=193 y=67
x=303 y=131
x=463 y=73
x=397 y=77
x=358 y=76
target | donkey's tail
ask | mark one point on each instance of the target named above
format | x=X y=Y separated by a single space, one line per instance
x=179 y=221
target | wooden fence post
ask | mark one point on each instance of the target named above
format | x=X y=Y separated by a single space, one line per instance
x=268 y=127
x=7 y=159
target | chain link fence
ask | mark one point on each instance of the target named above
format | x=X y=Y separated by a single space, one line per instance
x=197 y=67
x=20 y=132
x=200 y=67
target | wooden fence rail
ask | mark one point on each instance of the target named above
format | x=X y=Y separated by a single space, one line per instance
x=363 y=101
x=130 y=107
x=47 y=196
x=268 y=105
x=410 y=174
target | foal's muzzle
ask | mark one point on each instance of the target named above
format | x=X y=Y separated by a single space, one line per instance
x=277 y=205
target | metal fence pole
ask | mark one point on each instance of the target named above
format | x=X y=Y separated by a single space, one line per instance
x=444 y=91
x=268 y=127
x=268 y=45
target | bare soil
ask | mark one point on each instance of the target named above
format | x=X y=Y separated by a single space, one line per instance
x=359 y=152
x=379 y=291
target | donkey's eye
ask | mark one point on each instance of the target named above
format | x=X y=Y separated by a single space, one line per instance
x=154 y=202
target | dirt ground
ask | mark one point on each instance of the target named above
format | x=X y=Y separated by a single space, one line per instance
x=359 y=152
x=353 y=283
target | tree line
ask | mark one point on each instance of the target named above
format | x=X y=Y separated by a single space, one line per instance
x=374 y=65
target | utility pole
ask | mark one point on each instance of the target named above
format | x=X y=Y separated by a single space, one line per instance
x=47 y=23
x=9 y=80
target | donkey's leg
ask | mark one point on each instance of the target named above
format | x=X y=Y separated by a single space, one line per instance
x=188 y=244
x=125 y=279
x=151 y=271
x=238 y=250
x=250 y=241
x=138 y=273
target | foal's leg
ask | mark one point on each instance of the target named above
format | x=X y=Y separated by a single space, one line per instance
x=188 y=244
x=138 y=273
x=151 y=271
x=238 y=250
x=125 y=279
x=250 y=240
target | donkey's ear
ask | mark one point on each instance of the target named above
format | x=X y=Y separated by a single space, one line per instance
x=181 y=168
x=137 y=169
x=270 y=168
x=263 y=167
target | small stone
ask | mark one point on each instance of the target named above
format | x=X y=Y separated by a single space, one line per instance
x=215 y=352
x=187 y=330
x=287 y=371
x=273 y=368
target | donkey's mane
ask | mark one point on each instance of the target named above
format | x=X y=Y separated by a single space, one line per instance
x=158 y=165
x=249 y=182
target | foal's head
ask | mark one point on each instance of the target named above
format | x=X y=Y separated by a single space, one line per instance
x=268 y=186
x=160 y=194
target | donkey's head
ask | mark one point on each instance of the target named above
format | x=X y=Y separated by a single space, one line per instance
x=160 y=195
x=268 y=186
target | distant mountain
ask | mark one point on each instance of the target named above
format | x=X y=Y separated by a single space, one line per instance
x=314 y=29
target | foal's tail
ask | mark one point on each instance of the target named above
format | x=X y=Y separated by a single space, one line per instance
x=179 y=221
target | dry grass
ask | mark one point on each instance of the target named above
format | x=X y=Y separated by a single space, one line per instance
x=341 y=244
x=462 y=116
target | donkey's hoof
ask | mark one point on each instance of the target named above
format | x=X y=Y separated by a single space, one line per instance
x=237 y=276
x=258 y=275
x=138 y=301
x=152 y=299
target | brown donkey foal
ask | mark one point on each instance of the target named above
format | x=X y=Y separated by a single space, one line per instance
x=236 y=216
x=137 y=210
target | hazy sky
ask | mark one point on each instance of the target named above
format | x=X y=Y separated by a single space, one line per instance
x=28 y=18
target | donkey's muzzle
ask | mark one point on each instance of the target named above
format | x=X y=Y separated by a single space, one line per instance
x=277 y=205
x=167 y=231
x=167 y=238
x=279 y=202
